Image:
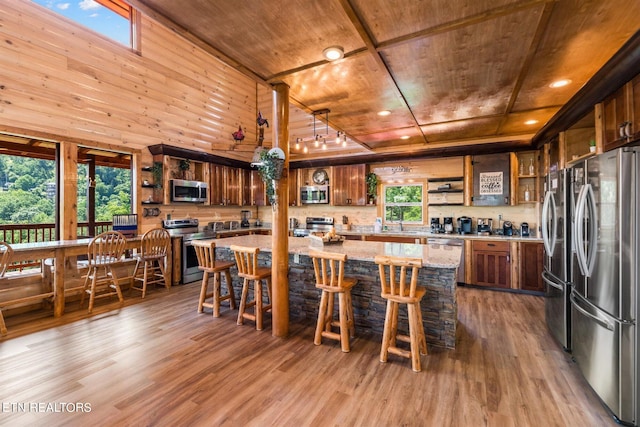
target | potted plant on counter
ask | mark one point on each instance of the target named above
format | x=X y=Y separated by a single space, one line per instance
x=372 y=186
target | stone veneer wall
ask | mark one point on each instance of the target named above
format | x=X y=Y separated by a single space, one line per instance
x=439 y=306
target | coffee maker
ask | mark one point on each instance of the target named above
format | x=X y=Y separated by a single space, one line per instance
x=448 y=224
x=507 y=228
x=464 y=225
x=524 y=229
x=485 y=226
x=244 y=218
x=435 y=225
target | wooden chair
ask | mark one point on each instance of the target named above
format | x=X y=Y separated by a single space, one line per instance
x=6 y=252
x=396 y=291
x=151 y=261
x=206 y=253
x=104 y=254
x=248 y=270
x=329 y=272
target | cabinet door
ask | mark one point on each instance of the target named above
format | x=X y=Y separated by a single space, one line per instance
x=348 y=186
x=491 y=264
x=613 y=112
x=491 y=180
x=245 y=187
x=531 y=266
x=293 y=187
x=258 y=195
x=232 y=189
x=634 y=115
x=217 y=185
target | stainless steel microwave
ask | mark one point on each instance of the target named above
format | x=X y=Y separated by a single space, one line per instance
x=314 y=194
x=188 y=191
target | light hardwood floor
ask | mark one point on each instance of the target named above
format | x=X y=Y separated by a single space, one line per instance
x=157 y=362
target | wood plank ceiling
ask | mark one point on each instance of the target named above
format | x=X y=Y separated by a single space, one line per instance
x=456 y=75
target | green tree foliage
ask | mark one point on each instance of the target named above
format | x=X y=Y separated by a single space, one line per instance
x=24 y=198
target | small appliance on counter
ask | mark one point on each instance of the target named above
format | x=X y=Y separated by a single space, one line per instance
x=485 y=226
x=435 y=225
x=464 y=225
x=448 y=224
x=293 y=223
x=244 y=218
x=524 y=229
x=507 y=228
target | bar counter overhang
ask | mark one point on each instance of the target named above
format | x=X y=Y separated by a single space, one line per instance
x=438 y=275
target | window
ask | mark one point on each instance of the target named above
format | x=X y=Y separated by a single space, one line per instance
x=111 y=18
x=403 y=203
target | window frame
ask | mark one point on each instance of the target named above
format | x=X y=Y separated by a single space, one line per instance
x=420 y=204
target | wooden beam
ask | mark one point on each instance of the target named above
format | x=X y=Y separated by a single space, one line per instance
x=68 y=208
x=280 y=224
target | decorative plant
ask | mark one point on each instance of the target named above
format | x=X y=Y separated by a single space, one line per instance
x=372 y=184
x=184 y=166
x=156 y=169
x=270 y=169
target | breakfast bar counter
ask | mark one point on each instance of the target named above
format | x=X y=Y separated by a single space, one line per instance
x=438 y=275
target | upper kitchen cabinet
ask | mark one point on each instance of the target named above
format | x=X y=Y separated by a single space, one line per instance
x=225 y=185
x=621 y=116
x=348 y=185
x=491 y=179
x=579 y=140
x=258 y=191
x=294 y=189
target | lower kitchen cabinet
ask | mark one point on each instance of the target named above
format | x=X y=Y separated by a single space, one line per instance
x=491 y=264
x=531 y=259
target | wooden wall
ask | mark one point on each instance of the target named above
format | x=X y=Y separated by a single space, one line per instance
x=60 y=79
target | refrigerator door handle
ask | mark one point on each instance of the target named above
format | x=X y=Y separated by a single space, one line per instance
x=548 y=239
x=602 y=322
x=586 y=257
x=549 y=280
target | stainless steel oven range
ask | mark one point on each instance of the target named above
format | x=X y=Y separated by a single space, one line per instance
x=188 y=230
x=314 y=223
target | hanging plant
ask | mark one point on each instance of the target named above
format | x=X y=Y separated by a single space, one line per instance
x=372 y=185
x=270 y=166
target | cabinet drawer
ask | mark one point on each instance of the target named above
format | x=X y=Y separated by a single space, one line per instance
x=493 y=246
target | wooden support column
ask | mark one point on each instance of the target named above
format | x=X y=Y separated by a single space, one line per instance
x=280 y=224
x=68 y=208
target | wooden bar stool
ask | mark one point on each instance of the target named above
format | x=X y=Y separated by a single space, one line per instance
x=206 y=253
x=104 y=254
x=329 y=272
x=150 y=265
x=396 y=291
x=248 y=269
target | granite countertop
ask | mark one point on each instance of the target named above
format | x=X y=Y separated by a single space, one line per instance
x=438 y=256
x=429 y=235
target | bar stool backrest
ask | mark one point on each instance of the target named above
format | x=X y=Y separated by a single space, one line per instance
x=6 y=252
x=246 y=260
x=106 y=248
x=206 y=253
x=328 y=268
x=398 y=285
x=155 y=243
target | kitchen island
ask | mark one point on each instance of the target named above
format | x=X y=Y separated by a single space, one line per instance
x=439 y=307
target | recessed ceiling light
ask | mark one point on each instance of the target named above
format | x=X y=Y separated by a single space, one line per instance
x=404 y=137
x=384 y=113
x=333 y=53
x=531 y=122
x=560 y=83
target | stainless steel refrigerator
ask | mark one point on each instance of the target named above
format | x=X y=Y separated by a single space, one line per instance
x=556 y=236
x=605 y=264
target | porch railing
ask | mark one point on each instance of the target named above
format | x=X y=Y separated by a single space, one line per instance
x=33 y=233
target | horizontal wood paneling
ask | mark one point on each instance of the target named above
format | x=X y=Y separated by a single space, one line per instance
x=62 y=79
